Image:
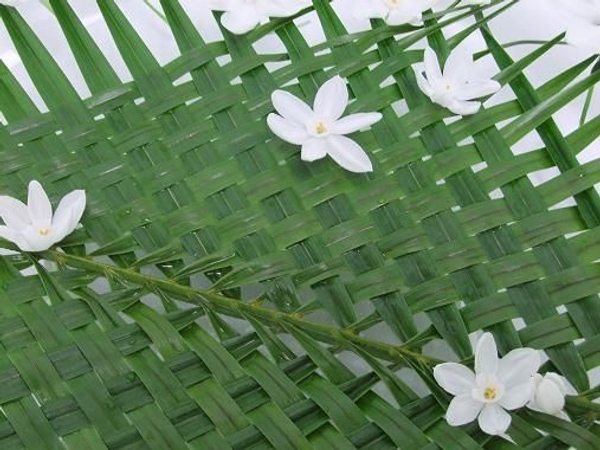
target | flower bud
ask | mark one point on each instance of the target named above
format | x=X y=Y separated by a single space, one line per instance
x=548 y=394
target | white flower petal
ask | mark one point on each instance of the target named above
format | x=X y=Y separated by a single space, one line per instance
x=68 y=214
x=241 y=21
x=464 y=108
x=12 y=235
x=38 y=204
x=407 y=12
x=493 y=419
x=348 y=154
x=561 y=382
x=535 y=381
x=549 y=394
x=432 y=67
x=486 y=355
x=454 y=378
x=369 y=9
x=355 y=122
x=518 y=366
x=458 y=64
x=516 y=396
x=417 y=21
x=331 y=99
x=402 y=16
x=220 y=5
x=283 y=8
x=476 y=89
x=424 y=85
x=463 y=409
x=36 y=242
x=287 y=131
x=313 y=149
x=291 y=107
x=549 y=398
x=14 y=212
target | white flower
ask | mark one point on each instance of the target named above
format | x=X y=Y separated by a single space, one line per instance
x=242 y=16
x=454 y=88
x=394 y=12
x=548 y=395
x=32 y=227
x=497 y=385
x=585 y=29
x=320 y=130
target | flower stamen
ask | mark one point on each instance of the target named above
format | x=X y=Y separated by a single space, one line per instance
x=44 y=231
x=490 y=393
x=320 y=128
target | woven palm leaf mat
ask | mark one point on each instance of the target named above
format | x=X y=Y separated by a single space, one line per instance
x=221 y=293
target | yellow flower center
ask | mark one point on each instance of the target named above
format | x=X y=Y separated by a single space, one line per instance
x=490 y=393
x=44 y=231
x=393 y=3
x=320 y=128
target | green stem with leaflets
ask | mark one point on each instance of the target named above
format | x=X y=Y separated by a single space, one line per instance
x=217 y=302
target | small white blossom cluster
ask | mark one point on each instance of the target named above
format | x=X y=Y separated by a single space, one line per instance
x=498 y=385
x=320 y=130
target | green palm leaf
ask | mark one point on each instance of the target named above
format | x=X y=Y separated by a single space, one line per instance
x=224 y=294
